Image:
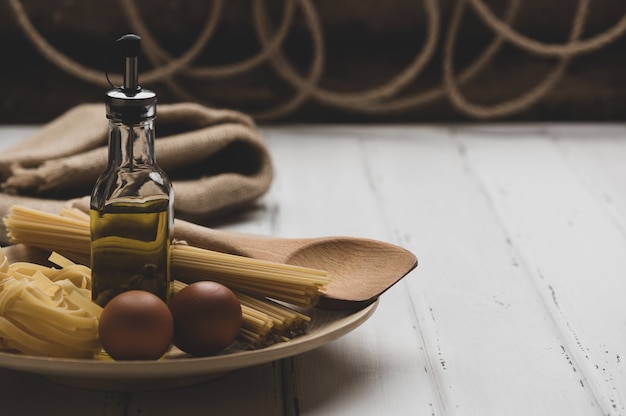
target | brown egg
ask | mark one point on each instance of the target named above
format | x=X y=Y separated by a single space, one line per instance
x=136 y=325
x=207 y=318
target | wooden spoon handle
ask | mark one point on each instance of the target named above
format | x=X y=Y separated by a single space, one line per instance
x=258 y=247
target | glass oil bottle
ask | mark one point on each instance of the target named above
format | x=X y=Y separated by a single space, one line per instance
x=131 y=206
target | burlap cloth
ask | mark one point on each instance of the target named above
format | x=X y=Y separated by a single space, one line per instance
x=216 y=159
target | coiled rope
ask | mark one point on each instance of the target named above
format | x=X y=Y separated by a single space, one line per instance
x=382 y=99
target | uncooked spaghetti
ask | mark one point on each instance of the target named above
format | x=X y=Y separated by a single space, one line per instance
x=293 y=284
x=68 y=234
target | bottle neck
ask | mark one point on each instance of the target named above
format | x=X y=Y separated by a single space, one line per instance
x=131 y=146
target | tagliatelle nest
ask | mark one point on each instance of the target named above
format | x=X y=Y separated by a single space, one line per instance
x=48 y=311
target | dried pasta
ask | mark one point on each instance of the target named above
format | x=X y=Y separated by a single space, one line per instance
x=48 y=311
x=58 y=294
x=68 y=234
x=293 y=284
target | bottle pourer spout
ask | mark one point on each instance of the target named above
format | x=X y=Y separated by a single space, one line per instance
x=129 y=103
x=129 y=46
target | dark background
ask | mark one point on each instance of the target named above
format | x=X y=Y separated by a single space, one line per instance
x=367 y=43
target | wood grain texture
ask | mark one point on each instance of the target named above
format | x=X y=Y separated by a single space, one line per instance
x=572 y=250
x=484 y=326
x=517 y=305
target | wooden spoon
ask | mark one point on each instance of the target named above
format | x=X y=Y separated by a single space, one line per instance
x=360 y=269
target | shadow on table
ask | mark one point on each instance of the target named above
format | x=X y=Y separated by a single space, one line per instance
x=321 y=380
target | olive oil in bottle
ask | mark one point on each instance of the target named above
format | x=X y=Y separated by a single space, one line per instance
x=130 y=245
x=132 y=201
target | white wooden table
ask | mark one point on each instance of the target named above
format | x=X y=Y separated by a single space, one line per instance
x=517 y=307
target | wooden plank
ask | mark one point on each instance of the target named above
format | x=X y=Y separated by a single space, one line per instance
x=491 y=342
x=596 y=154
x=571 y=248
x=27 y=394
x=324 y=186
x=249 y=391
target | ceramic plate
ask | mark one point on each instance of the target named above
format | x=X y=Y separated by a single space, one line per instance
x=177 y=370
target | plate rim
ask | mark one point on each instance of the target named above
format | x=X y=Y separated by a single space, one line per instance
x=186 y=367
